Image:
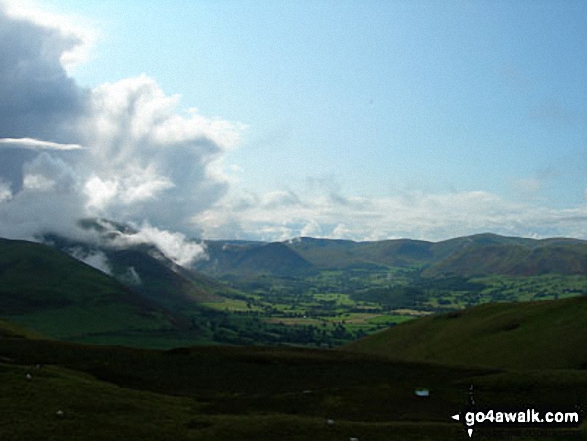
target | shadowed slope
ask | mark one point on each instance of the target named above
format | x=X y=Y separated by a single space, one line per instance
x=53 y=293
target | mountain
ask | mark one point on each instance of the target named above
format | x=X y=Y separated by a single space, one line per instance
x=306 y=254
x=515 y=257
x=55 y=294
x=528 y=335
x=345 y=254
x=145 y=269
x=245 y=258
x=149 y=272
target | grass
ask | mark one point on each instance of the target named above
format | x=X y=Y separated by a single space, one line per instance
x=76 y=323
x=92 y=409
x=58 y=296
x=97 y=410
x=232 y=305
x=545 y=334
x=249 y=393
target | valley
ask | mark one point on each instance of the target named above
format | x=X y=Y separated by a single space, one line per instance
x=310 y=292
x=330 y=341
x=337 y=306
x=326 y=293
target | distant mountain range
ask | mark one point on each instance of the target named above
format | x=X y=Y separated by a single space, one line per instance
x=481 y=254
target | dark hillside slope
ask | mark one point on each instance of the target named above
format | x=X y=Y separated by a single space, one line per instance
x=146 y=270
x=12 y=330
x=273 y=258
x=55 y=294
x=160 y=279
x=36 y=277
x=533 y=335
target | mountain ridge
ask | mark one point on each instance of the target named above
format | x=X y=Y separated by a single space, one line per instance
x=479 y=254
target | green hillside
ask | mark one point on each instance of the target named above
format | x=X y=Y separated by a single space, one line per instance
x=83 y=392
x=144 y=269
x=59 y=296
x=549 y=256
x=12 y=330
x=532 y=335
x=161 y=280
x=340 y=254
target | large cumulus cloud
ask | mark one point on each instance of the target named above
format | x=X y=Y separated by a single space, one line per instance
x=149 y=161
x=120 y=150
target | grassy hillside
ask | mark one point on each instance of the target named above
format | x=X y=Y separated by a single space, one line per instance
x=12 y=330
x=145 y=269
x=341 y=254
x=252 y=258
x=517 y=259
x=228 y=393
x=59 y=296
x=540 y=335
x=35 y=277
x=161 y=280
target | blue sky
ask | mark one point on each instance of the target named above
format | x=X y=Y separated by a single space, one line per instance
x=431 y=95
x=367 y=120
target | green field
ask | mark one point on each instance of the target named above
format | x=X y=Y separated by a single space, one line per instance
x=337 y=307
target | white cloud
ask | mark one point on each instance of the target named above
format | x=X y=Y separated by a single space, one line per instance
x=49 y=201
x=99 y=192
x=415 y=215
x=130 y=277
x=174 y=246
x=37 y=144
x=5 y=193
x=148 y=161
x=311 y=229
x=96 y=259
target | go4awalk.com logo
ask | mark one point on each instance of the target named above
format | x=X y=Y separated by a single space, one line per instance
x=474 y=416
x=512 y=418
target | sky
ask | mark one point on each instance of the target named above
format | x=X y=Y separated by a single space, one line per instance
x=270 y=120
